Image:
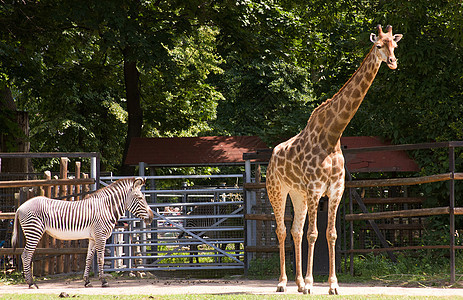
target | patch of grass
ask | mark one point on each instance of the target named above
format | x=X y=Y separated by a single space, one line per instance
x=425 y=268
x=268 y=268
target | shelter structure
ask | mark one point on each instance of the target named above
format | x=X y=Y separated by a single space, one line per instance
x=192 y=151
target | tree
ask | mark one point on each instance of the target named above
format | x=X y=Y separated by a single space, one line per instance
x=76 y=67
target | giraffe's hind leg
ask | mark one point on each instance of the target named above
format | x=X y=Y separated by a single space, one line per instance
x=277 y=199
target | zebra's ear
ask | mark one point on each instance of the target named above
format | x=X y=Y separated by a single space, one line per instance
x=138 y=183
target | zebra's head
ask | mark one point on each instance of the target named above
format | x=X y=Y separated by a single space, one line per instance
x=136 y=202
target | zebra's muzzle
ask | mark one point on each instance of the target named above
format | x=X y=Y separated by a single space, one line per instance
x=150 y=217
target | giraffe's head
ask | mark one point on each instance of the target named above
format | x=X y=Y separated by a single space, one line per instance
x=385 y=44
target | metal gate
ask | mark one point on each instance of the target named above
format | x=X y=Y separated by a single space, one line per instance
x=196 y=226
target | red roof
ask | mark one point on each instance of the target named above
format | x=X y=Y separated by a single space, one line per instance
x=189 y=151
x=229 y=150
x=378 y=161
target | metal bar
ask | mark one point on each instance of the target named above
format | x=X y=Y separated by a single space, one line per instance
x=213 y=226
x=176 y=176
x=186 y=217
x=351 y=210
x=174 y=267
x=189 y=232
x=189 y=242
x=193 y=191
x=452 y=212
x=161 y=257
x=194 y=204
x=178 y=230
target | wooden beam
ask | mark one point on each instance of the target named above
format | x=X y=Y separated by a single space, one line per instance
x=379 y=182
x=45 y=182
x=44 y=251
x=265 y=217
x=268 y=249
x=421 y=212
x=7 y=216
x=254 y=185
x=401 y=248
x=394 y=200
x=401 y=181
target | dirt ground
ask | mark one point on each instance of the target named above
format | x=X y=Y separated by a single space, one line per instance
x=155 y=286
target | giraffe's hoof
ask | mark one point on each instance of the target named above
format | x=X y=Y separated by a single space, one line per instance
x=88 y=284
x=333 y=291
x=306 y=291
x=33 y=286
x=281 y=289
x=104 y=284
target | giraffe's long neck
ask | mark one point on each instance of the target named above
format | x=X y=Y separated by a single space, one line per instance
x=330 y=119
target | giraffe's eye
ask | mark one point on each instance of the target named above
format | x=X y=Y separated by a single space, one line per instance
x=379 y=46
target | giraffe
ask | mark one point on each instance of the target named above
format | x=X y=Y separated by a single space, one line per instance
x=311 y=165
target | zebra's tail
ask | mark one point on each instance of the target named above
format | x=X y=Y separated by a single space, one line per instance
x=14 y=237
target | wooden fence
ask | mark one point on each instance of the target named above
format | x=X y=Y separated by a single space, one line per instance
x=449 y=210
x=52 y=256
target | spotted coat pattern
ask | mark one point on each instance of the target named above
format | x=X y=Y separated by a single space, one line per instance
x=311 y=165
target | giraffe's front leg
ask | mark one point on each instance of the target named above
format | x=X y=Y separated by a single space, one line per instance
x=299 y=201
x=331 y=234
x=312 y=235
x=331 y=237
x=281 y=235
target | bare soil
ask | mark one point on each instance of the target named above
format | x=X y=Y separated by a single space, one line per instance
x=155 y=286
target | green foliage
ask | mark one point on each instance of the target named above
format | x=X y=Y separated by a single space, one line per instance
x=229 y=67
x=415 y=268
x=265 y=268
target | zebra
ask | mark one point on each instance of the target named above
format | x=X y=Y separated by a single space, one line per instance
x=92 y=218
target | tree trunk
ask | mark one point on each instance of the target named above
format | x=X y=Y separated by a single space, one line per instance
x=135 y=113
x=13 y=135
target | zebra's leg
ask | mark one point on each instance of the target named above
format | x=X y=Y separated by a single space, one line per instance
x=32 y=237
x=100 y=245
x=88 y=262
x=27 y=266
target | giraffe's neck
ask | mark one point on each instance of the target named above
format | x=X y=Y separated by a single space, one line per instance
x=329 y=120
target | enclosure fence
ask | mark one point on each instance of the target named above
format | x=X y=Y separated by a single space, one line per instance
x=371 y=217
x=52 y=256
x=195 y=227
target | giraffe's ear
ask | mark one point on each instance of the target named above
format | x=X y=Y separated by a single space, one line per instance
x=373 y=38
x=138 y=183
x=397 y=37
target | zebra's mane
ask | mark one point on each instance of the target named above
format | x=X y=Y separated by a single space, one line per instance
x=116 y=183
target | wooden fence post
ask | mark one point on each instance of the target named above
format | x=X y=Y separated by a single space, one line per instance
x=46 y=239
x=63 y=260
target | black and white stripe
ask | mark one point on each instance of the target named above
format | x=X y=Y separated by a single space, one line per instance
x=92 y=218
